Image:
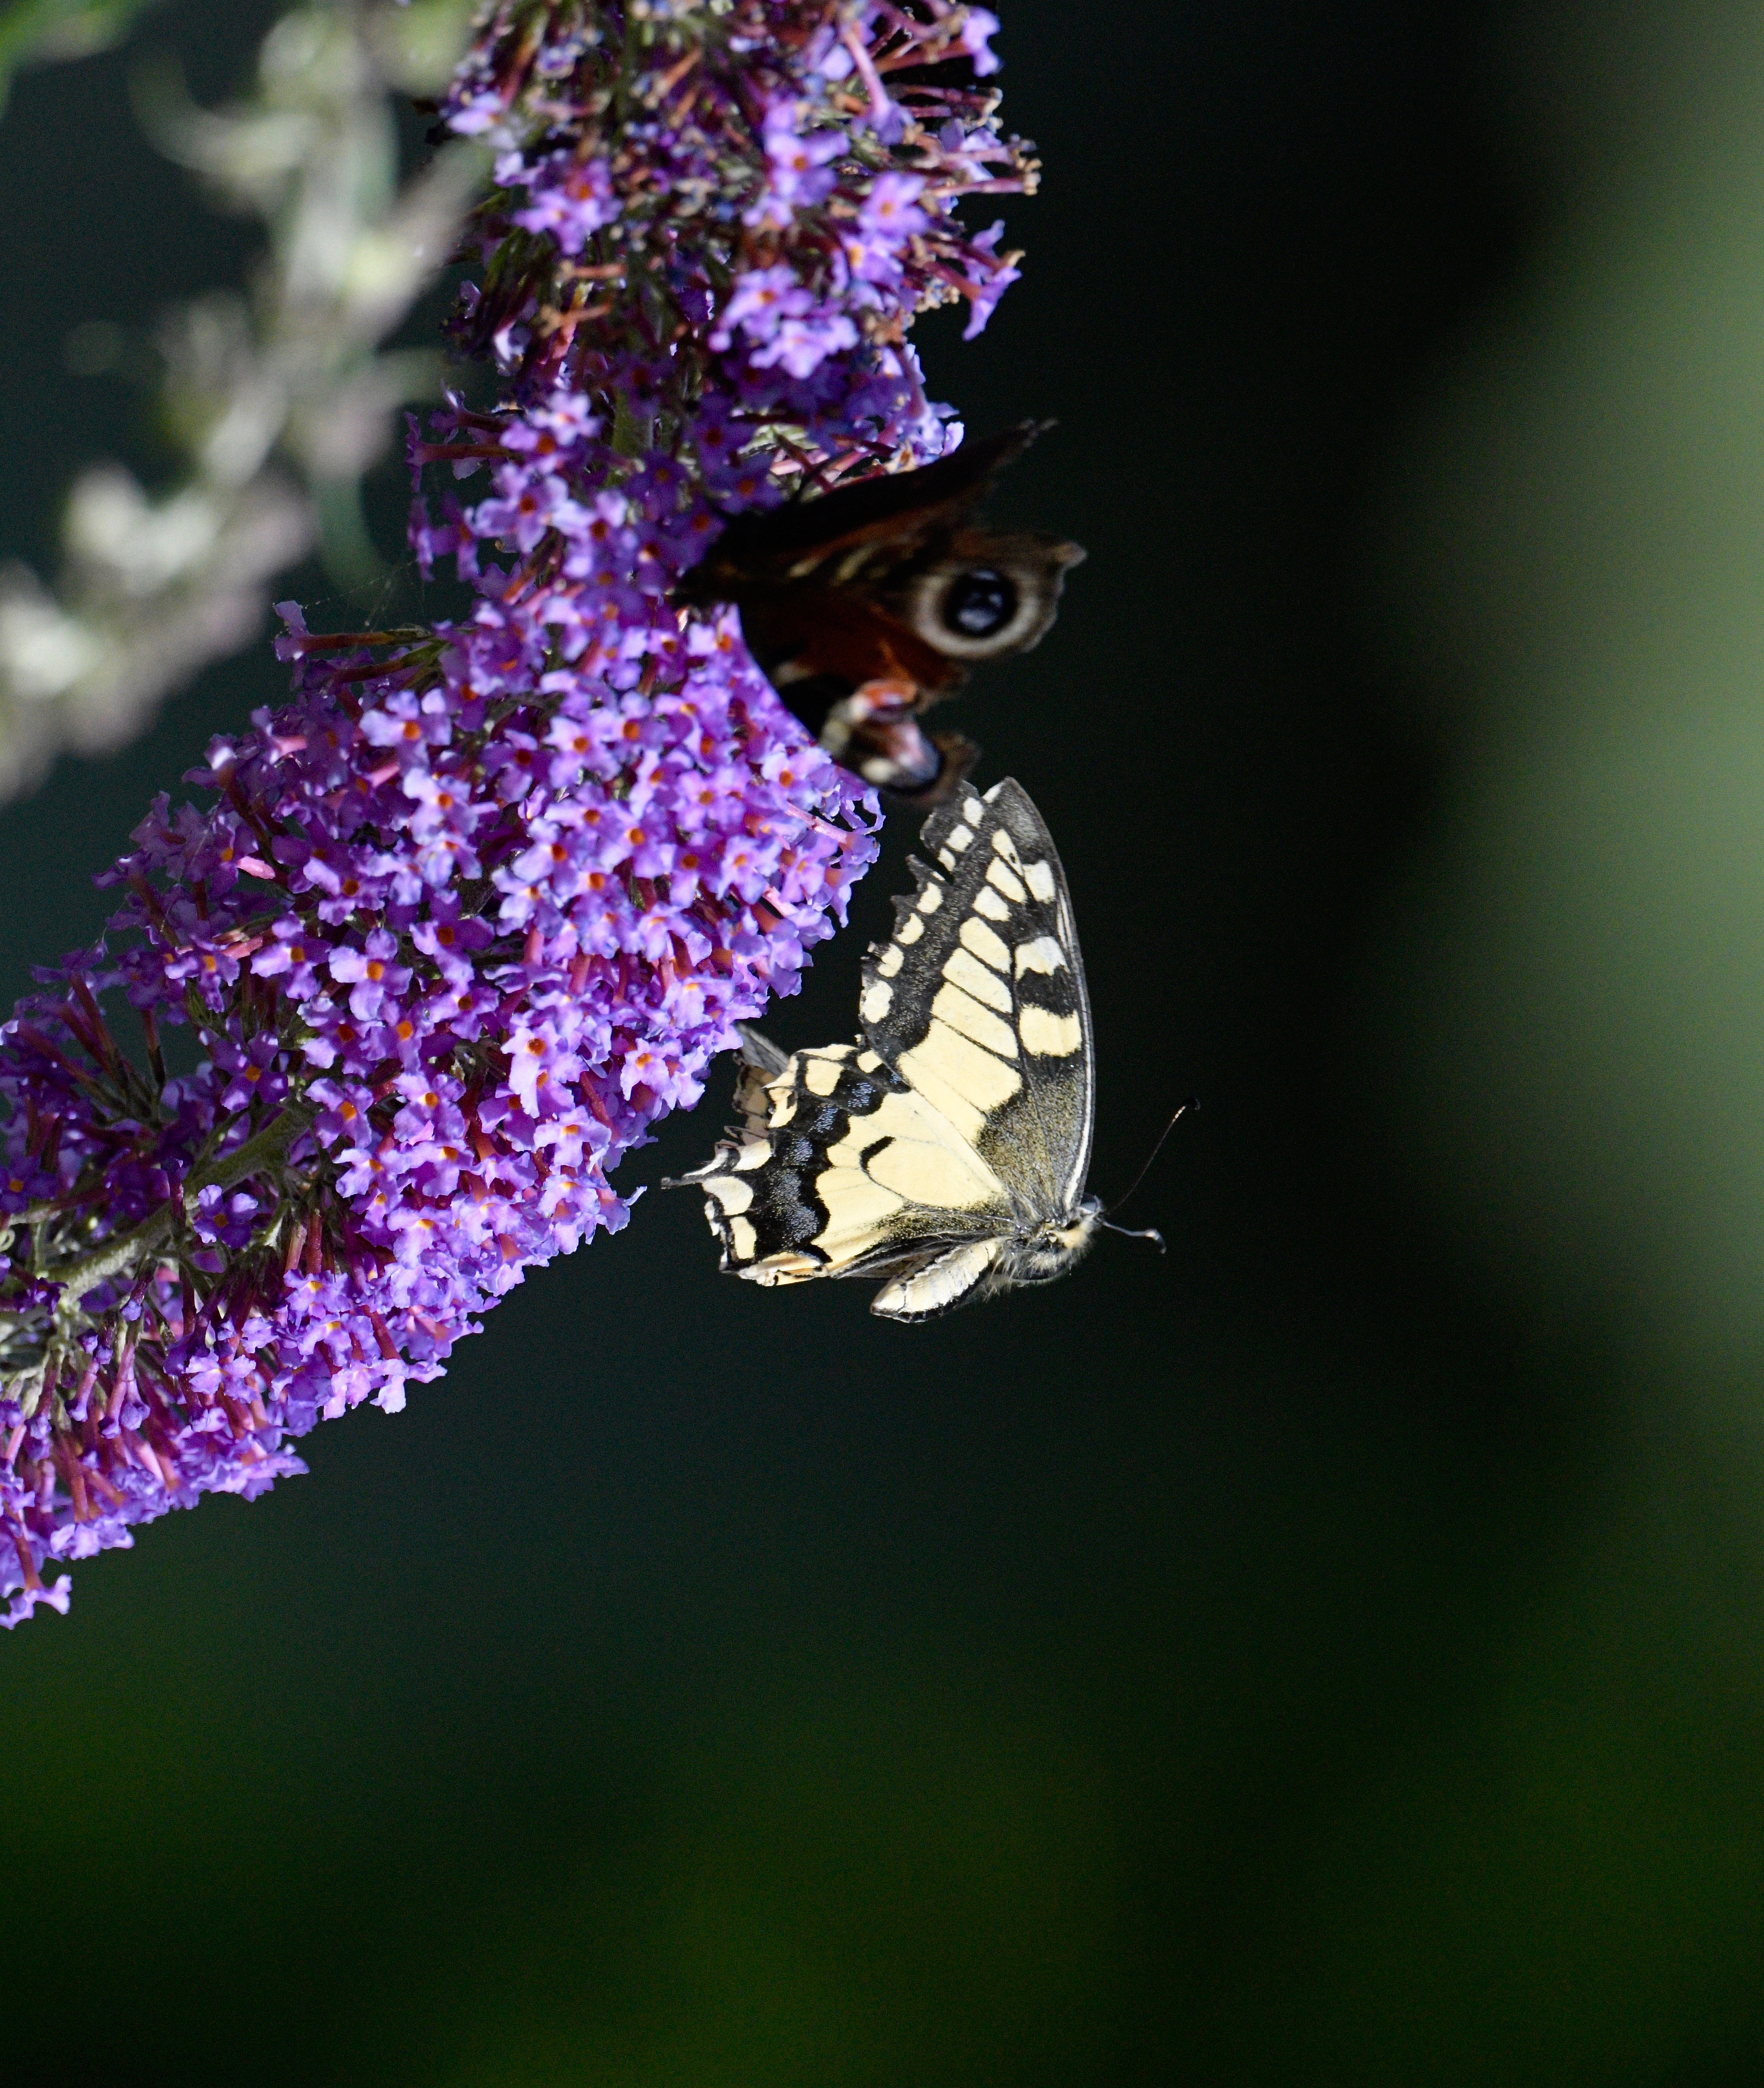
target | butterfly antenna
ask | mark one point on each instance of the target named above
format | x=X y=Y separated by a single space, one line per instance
x=1182 y=1111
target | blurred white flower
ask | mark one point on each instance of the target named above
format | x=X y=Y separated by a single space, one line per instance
x=278 y=397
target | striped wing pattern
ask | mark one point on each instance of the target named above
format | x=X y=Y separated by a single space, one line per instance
x=946 y=1150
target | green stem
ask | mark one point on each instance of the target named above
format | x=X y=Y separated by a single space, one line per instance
x=114 y=1255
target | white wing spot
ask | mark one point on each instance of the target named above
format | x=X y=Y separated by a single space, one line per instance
x=972 y=812
x=1042 y=955
x=1006 y=847
x=988 y=948
x=732 y=1193
x=783 y=1267
x=910 y=930
x=931 y=897
x=753 y=1153
x=878 y=998
x=742 y=1238
x=868 y=1062
x=966 y=970
x=890 y=961
x=1041 y=881
x=959 y=838
x=820 y=1076
x=990 y=904
x=858 y=1210
x=942 y=1176
x=1005 y=880
x=969 y=1019
x=1048 y=1035
x=946 y=858
x=956 y=1077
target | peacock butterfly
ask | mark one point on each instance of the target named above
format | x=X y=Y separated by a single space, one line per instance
x=866 y=605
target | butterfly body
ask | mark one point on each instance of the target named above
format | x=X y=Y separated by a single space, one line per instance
x=945 y=1151
x=865 y=607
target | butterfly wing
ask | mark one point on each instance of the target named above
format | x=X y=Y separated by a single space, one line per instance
x=808 y=541
x=960 y=1120
x=841 y=1169
x=979 y=1000
x=864 y=605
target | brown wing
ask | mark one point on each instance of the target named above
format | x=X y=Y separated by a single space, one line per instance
x=885 y=582
x=903 y=509
x=841 y=637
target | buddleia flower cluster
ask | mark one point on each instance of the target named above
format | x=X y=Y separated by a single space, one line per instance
x=384 y=1007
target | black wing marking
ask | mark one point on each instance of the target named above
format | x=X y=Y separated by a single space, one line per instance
x=901 y=508
x=959 y=1124
x=979 y=1000
x=840 y=1170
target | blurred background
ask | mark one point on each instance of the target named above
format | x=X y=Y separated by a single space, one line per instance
x=1334 y=1652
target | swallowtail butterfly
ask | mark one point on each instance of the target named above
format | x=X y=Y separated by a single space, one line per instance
x=865 y=605
x=947 y=1149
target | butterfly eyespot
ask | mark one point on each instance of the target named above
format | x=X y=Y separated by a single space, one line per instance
x=978 y=603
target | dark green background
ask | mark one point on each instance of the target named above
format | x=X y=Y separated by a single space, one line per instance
x=1328 y=1654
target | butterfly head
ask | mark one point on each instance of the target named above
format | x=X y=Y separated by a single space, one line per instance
x=1044 y=1253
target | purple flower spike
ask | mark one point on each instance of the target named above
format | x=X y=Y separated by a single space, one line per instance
x=454 y=928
